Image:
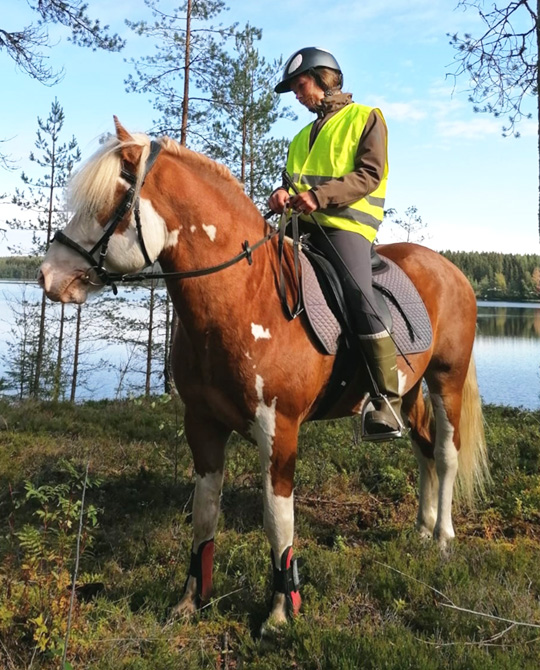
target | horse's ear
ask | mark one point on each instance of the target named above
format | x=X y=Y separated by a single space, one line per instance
x=129 y=151
x=121 y=132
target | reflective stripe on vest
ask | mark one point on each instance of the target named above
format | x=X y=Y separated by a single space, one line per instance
x=332 y=155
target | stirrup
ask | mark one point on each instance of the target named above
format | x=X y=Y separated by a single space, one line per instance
x=390 y=434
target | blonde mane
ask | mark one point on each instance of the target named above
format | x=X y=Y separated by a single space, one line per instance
x=93 y=186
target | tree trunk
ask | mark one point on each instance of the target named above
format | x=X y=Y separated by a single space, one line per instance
x=187 y=55
x=76 y=356
x=148 y=379
x=58 y=367
x=40 y=349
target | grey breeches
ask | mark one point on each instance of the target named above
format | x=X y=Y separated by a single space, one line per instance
x=343 y=247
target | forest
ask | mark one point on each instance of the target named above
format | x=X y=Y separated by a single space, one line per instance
x=497 y=276
x=493 y=276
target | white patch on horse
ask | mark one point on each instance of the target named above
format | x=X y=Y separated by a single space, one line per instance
x=248 y=355
x=172 y=239
x=192 y=229
x=154 y=229
x=402 y=382
x=260 y=333
x=206 y=507
x=210 y=230
x=446 y=465
x=278 y=510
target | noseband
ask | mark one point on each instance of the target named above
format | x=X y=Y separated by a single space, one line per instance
x=128 y=203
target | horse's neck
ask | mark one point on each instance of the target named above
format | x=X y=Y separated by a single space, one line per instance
x=204 y=240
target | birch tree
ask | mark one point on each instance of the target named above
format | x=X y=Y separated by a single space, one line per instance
x=501 y=63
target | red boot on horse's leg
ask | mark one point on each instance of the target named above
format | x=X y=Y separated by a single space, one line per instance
x=200 y=569
x=287 y=581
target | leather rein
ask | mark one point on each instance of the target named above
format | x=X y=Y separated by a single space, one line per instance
x=131 y=202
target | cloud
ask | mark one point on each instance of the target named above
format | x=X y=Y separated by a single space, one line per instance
x=472 y=129
x=401 y=111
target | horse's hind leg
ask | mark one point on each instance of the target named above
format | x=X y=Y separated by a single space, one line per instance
x=207 y=439
x=422 y=437
x=447 y=415
x=436 y=444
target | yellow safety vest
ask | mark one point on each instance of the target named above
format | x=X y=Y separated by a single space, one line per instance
x=332 y=155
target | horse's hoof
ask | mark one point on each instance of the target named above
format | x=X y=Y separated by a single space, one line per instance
x=271 y=630
x=186 y=609
x=424 y=533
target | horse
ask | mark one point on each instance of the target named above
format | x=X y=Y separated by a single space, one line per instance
x=239 y=363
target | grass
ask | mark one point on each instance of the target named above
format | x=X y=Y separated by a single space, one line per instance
x=374 y=595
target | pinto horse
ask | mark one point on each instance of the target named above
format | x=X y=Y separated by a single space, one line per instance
x=239 y=363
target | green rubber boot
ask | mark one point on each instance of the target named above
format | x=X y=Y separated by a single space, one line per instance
x=382 y=414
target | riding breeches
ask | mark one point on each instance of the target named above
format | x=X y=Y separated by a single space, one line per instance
x=350 y=254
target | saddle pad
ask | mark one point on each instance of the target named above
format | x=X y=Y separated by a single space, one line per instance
x=321 y=318
x=411 y=328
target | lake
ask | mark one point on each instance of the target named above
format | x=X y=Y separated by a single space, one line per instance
x=507 y=349
x=507 y=353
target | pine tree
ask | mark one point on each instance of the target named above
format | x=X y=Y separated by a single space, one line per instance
x=245 y=109
x=186 y=47
x=42 y=200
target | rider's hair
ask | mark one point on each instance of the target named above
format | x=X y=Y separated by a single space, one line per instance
x=326 y=78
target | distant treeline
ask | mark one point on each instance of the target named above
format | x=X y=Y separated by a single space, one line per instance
x=19 y=267
x=496 y=276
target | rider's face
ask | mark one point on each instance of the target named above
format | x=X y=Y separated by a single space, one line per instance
x=307 y=91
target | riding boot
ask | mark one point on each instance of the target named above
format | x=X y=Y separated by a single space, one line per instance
x=382 y=416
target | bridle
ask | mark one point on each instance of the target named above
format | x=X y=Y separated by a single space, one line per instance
x=128 y=202
x=131 y=201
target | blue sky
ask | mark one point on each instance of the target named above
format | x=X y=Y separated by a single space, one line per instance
x=475 y=189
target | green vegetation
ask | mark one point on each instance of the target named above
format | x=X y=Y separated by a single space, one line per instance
x=496 y=276
x=369 y=582
x=19 y=267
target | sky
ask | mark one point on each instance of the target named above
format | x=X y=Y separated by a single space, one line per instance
x=474 y=189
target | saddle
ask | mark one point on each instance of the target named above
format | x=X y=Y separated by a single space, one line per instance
x=399 y=305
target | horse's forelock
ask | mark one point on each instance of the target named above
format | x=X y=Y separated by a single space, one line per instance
x=93 y=186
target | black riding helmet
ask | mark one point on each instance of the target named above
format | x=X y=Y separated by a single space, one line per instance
x=303 y=61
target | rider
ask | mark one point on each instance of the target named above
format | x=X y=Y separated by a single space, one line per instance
x=339 y=166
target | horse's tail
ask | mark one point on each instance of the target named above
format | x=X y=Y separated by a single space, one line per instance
x=473 y=471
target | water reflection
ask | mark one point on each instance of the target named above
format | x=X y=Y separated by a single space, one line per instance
x=507 y=353
x=509 y=320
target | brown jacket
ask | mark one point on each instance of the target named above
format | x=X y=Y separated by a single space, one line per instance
x=369 y=161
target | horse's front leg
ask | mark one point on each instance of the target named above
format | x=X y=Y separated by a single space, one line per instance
x=207 y=439
x=277 y=439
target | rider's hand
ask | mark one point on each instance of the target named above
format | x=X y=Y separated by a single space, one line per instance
x=304 y=203
x=279 y=200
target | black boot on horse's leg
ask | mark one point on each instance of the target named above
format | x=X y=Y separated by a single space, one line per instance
x=382 y=416
x=287 y=581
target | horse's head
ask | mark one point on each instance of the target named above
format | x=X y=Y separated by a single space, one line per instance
x=114 y=229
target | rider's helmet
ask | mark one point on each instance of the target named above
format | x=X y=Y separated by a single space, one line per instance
x=303 y=61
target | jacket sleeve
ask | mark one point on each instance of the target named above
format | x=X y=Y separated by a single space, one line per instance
x=370 y=161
